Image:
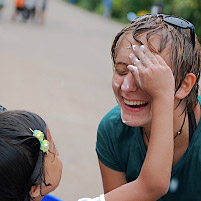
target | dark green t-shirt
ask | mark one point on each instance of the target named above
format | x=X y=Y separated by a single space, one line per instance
x=121 y=147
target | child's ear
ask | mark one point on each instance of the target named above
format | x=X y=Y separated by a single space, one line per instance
x=35 y=191
x=186 y=86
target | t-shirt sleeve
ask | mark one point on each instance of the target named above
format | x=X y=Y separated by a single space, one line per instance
x=199 y=99
x=106 y=143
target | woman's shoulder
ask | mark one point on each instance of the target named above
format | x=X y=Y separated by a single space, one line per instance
x=112 y=126
x=114 y=113
x=199 y=99
x=197 y=110
x=112 y=117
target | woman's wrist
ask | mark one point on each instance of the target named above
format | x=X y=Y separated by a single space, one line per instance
x=167 y=98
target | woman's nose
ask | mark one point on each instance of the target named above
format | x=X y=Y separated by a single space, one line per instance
x=129 y=83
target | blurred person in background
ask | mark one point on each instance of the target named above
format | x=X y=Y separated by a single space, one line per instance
x=19 y=8
x=40 y=11
x=2 y=4
x=107 y=8
x=29 y=12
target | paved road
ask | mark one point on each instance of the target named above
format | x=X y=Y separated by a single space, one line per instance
x=62 y=71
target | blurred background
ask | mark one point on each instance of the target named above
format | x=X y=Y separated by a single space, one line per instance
x=55 y=61
x=125 y=10
x=62 y=71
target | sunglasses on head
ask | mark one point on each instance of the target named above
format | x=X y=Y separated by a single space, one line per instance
x=174 y=21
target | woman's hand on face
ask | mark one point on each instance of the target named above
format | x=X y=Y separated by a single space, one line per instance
x=151 y=72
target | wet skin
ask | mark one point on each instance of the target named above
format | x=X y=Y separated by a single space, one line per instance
x=53 y=166
x=135 y=104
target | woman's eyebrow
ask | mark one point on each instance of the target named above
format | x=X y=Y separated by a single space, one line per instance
x=121 y=62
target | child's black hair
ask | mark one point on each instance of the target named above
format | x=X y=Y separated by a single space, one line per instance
x=21 y=161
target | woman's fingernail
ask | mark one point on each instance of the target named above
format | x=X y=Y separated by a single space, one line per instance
x=135 y=47
x=132 y=68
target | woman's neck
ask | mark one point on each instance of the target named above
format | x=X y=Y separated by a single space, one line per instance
x=181 y=141
x=180 y=126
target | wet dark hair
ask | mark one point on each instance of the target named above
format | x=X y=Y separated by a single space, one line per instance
x=186 y=57
x=21 y=161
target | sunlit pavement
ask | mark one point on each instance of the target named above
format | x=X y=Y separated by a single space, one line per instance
x=62 y=71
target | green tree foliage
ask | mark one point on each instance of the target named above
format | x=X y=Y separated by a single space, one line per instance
x=122 y=7
x=188 y=9
x=90 y=5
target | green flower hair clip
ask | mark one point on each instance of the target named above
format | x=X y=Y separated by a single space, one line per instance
x=44 y=144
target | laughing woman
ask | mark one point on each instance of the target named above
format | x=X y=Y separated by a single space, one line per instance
x=133 y=143
x=145 y=92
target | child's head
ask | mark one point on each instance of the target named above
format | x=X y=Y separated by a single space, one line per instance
x=176 y=36
x=26 y=172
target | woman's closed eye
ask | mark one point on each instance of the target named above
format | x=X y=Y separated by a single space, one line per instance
x=121 y=69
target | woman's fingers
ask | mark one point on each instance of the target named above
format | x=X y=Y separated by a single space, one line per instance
x=145 y=56
x=134 y=59
x=151 y=72
x=134 y=70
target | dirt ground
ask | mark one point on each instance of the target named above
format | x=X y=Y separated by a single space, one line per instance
x=62 y=71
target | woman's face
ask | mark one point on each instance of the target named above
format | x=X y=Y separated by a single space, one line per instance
x=135 y=104
x=53 y=167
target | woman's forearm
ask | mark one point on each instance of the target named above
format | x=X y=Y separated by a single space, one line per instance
x=158 y=163
x=153 y=181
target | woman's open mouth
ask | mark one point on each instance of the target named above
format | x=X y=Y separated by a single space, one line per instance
x=135 y=104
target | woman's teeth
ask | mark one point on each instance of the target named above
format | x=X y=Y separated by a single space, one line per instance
x=135 y=103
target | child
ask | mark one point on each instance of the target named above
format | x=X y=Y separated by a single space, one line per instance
x=154 y=77
x=19 y=9
x=29 y=163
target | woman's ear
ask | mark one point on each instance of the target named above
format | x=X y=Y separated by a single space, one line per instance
x=186 y=86
x=35 y=191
